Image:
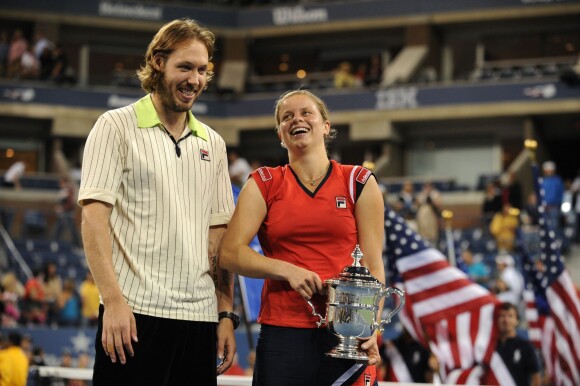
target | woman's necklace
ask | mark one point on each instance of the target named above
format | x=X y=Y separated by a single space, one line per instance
x=314 y=181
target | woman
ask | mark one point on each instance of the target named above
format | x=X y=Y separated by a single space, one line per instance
x=309 y=215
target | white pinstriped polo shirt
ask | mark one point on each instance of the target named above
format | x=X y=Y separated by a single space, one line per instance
x=163 y=206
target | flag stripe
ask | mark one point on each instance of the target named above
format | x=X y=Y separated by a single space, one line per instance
x=453 y=315
x=399 y=370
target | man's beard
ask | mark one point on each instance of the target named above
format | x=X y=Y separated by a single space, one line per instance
x=168 y=100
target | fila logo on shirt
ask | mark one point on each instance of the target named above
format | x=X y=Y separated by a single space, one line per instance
x=341 y=202
x=367 y=380
x=204 y=155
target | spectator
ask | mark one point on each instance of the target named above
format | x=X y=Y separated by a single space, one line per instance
x=61 y=72
x=408 y=361
x=553 y=193
x=429 y=208
x=33 y=304
x=360 y=74
x=512 y=191
x=575 y=190
x=530 y=238
x=503 y=227
x=69 y=305
x=29 y=65
x=343 y=76
x=46 y=63
x=41 y=44
x=4 y=47
x=13 y=174
x=238 y=168
x=428 y=222
x=492 y=203
x=430 y=195
x=90 y=300
x=13 y=362
x=531 y=214
x=26 y=345
x=66 y=212
x=517 y=353
x=477 y=270
x=38 y=356
x=18 y=46
x=374 y=74
x=406 y=205
x=38 y=359
x=66 y=360
x=52 y=284
x=83 y=362
x=11 y=296
x=509 y=284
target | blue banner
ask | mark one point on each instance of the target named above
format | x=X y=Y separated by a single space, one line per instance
x=393 y=98
x=267 y=16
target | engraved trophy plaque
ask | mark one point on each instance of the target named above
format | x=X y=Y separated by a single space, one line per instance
x=352 y=303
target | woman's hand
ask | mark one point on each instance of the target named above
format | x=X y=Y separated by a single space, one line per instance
x=371 y=348
x=305 y=282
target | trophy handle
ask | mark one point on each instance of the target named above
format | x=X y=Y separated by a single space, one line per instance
x=387 y=292
x=322 y=320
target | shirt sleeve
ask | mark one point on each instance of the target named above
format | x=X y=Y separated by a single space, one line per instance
x=223 y=200
x=103 y=160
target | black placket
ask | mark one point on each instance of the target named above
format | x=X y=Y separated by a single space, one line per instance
x=176 y=143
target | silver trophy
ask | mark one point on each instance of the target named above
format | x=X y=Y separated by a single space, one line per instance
x=352 y=304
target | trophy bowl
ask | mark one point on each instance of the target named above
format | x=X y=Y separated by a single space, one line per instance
x=352 y=305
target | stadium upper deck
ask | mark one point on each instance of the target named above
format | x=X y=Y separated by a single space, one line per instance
x=475 y=76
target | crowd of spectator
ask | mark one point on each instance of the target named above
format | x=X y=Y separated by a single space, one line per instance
x=508 y=230
x=46 y=299
x=19 y=357
x=33 y=59
x=509 y=223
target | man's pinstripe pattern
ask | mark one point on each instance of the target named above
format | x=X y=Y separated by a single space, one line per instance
x=163 y=206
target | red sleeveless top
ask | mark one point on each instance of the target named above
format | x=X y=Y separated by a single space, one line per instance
x=314 y=230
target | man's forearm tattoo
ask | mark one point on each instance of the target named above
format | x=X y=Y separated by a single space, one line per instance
x=213 y=270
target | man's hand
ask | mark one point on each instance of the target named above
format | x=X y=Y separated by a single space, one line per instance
x=226 y=344
x=119 y=330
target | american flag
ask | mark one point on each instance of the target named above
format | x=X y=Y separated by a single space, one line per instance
x=537 y=308
x=444 y=309
x=561 y=330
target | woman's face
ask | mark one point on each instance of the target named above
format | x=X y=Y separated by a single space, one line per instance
x=301 y=123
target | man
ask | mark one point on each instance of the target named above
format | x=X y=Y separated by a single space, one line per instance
x=509 y=285
x=13 y=362
x=406 y=360
x=156 y=200
x=239 y=168
x=13 y=175
x=553 y=194
x=518 y=354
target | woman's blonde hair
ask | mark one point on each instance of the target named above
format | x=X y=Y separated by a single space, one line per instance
x=171 y=36
x=322 y=108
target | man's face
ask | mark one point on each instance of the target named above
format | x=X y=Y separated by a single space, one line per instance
x=184 y=76
x=507 y=321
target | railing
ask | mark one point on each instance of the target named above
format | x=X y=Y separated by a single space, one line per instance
x=223 y=380
x=17 y=256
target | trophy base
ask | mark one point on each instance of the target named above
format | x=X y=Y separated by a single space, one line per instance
x=353 y=353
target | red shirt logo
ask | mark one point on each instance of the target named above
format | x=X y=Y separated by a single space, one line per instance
x=363 y=176
x=265 y=174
